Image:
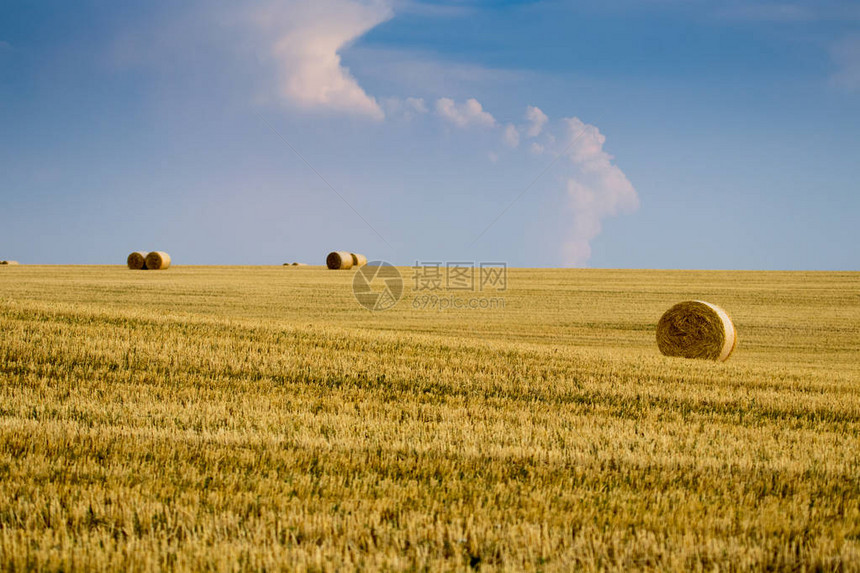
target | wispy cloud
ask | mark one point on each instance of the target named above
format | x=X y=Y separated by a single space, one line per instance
x=467 y=114
x=537 y=119
x=407 y=109
x=511 y=135
x=796 y=11
x=432 y=10
x=417 y=104
x=420 y=72
x=307 y=40
x=846 y=57
x=769 y=12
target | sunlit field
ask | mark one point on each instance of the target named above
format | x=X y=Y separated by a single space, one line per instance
x=244 y=418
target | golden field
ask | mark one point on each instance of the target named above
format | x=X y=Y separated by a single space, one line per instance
x=258 y=418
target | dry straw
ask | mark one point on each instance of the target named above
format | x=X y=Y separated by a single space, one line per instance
x=339 y=260
x=137 y=261
x=358 y=260
x=696 y=329
x=157 y=260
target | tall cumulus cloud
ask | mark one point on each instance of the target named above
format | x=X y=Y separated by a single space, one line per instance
x=307 y=37
x=306 y=40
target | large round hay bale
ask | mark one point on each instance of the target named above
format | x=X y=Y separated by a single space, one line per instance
x=339 y=260
x=137 y=261
x=358 y=260
x=158 y=260
x=696 y=329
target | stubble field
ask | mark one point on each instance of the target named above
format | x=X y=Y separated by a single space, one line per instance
x=246 y=418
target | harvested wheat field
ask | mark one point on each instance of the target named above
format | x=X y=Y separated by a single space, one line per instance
x=217 y=418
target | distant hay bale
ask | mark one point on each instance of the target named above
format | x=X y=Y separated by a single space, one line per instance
x=158 y=260
x=299 y=264
x=358 y=260
x=12 y=263
x=339 y=260
x=696 y=329
x=137 y=261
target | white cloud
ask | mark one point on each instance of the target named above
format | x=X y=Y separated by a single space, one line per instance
x=846 y=56
x=467 y=114
x=536 y=148
x=511 y=136
x=307 y=37
x=598 y=190
x=537 y=119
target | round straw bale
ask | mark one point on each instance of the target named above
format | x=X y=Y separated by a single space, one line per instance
x=300 y=264
x=137 y=261
x=696 y=329
x=158 y=260
x=339 y=260
x=9 y=263
x=358 y=260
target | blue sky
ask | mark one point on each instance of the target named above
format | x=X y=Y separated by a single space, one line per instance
x=647 y=134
